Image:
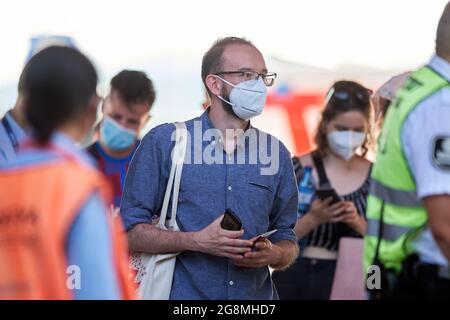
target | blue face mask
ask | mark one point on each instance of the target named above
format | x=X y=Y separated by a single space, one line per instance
x=114 y=136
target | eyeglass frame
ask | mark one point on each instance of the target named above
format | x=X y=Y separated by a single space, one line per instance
x=262 y=75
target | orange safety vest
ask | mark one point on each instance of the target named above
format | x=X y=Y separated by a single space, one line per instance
x=37 y=208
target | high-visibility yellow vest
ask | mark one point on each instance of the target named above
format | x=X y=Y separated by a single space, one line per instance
x=393 y=194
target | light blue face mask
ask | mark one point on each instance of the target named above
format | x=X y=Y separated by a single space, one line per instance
x=114 y=136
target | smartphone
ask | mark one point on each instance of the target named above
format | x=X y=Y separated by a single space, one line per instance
x=264 y=236
x=231 y=221
x=324 y=194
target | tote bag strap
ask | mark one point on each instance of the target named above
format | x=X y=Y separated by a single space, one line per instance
x=178 y=155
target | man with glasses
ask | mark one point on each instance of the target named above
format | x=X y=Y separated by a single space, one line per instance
x=216 y=263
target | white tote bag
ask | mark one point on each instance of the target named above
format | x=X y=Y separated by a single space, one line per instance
x=155 y=271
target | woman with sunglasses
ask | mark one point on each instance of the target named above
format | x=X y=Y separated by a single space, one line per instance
x=339 y=162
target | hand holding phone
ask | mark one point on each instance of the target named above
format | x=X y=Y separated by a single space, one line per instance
x=263 y=236
x=231 y=221
x=322 y=211
x=324 y=194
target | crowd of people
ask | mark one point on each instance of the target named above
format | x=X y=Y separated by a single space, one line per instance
x=82 y=198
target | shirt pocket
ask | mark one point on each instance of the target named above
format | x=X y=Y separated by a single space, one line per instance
x=260 y=197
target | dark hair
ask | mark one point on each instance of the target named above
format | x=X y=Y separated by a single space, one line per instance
x=58 y=83
x=133 y=87
x=358 y=100
x=212 y=60
x=443 y=33
x=20 y=84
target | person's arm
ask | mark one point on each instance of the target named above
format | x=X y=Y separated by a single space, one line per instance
x=439 y=221
x=305 y=225
x=320 y=212
x=89 y=248
x=212 y=240
x=143 y=194
x=425 y=137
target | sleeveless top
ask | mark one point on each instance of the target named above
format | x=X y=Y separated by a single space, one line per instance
x=328 y=234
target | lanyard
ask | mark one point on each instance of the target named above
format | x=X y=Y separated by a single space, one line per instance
x=10 y=132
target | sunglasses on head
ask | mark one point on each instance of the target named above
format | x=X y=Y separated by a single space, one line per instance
x=344 y=95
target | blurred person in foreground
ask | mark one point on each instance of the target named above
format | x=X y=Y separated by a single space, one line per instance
x=57 y=240
x=407 y=244
x=13 y=125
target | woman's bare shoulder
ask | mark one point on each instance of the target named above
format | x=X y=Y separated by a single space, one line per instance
x=306 y=160
x=364 y=161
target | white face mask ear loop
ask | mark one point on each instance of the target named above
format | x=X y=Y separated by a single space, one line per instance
x=230 y=84
x=227 y=82
x=227 y=102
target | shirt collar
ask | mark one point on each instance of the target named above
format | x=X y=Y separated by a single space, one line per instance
x=68 y=145
x=441 y=66
x=17 y=130
x=207 y=124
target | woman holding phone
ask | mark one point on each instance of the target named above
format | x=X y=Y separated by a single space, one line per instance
x=338 y=165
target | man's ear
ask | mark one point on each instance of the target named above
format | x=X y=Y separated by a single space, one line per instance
x=102 y=106
x=213 y=84
x=144 y=121
x=92 y=109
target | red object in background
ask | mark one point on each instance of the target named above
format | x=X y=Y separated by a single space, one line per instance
x=303 y=111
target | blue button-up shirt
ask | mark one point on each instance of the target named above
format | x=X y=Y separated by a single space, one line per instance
x=262 y=202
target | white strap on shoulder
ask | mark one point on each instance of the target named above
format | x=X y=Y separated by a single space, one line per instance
x=178 y=155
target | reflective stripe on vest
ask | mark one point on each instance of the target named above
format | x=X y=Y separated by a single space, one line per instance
x=391 y=232
x=394 y=196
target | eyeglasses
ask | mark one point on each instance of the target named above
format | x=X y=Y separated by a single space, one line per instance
x=362 y=95
x=268 y=78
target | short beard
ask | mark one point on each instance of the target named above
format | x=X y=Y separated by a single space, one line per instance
x=228 y=108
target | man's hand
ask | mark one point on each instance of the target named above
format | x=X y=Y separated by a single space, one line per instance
x=220 y=242
x=439 y=221
x=266 y=254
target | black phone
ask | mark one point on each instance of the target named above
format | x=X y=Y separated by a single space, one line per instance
x=231 y=221
x=324 y=194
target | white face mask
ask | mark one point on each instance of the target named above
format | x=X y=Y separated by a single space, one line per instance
x=345 y=143
x=247 y=98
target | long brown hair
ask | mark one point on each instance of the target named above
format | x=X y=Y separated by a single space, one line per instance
x=358 y=100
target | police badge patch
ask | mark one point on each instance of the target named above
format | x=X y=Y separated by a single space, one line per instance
x=441 y=152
